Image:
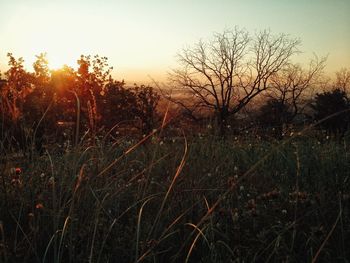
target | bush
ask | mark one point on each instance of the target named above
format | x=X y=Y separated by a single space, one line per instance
x=332 y=110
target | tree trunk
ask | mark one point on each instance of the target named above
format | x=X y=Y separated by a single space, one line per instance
x=222 y=117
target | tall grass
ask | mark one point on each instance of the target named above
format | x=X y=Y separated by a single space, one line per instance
x=199 y=199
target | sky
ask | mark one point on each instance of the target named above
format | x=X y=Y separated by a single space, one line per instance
x=142 y=37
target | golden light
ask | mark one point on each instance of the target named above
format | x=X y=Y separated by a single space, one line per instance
x=58 y=60
x=47 y=32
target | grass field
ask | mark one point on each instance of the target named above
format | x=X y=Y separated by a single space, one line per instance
x=198 y=199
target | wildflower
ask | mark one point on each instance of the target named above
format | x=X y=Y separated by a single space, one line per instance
x=271 y=195
x=231 y=182
x=251 y=204
x=39 y=206
x=16 y=182
x=235 y=215
x=298 y=195
x=235 y=168
x=51 y=181
x=18 y=171
x=241 y=188
x=284 y=211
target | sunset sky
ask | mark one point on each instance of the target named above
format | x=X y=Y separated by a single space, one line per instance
x=142 y=37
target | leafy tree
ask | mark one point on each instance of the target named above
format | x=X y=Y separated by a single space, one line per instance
x=273 y=115
x=37 y=102
x=19 y=84
x=38 y=105
x=119 y=104
x=146 y=103
x=64 y=83
x=329 y=103
x=92 y=75
x=67 y=105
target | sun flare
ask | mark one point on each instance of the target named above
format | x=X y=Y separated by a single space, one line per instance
x=57 y=61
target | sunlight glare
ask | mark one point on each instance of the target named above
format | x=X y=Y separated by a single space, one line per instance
x=58 y=60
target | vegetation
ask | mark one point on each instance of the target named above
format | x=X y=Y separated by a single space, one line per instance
x=95 y=171
x=34 y=106
x=163 y=201
x=334 y=102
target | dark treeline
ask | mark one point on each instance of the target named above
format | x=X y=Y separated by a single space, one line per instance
x=234 y=73
x=48 y=103
x=50 y=106
x=243 y=158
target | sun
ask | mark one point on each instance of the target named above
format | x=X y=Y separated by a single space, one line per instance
x=60 y=39
x=58 y=60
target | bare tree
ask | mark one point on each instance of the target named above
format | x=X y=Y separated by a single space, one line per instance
x=292 y=85
x=225 y=73
x=343 y=80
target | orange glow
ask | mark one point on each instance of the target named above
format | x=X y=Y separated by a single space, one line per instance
x=58 y=60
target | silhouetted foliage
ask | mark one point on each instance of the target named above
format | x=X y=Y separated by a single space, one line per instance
x=92 y=75
x=18 y=84
x=119 y=105
x=39 y=105
x=330 y=103
x=146 y=103
x=273 y=115
x=38 y=112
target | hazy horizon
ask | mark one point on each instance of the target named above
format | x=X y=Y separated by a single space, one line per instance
x=141 y=39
